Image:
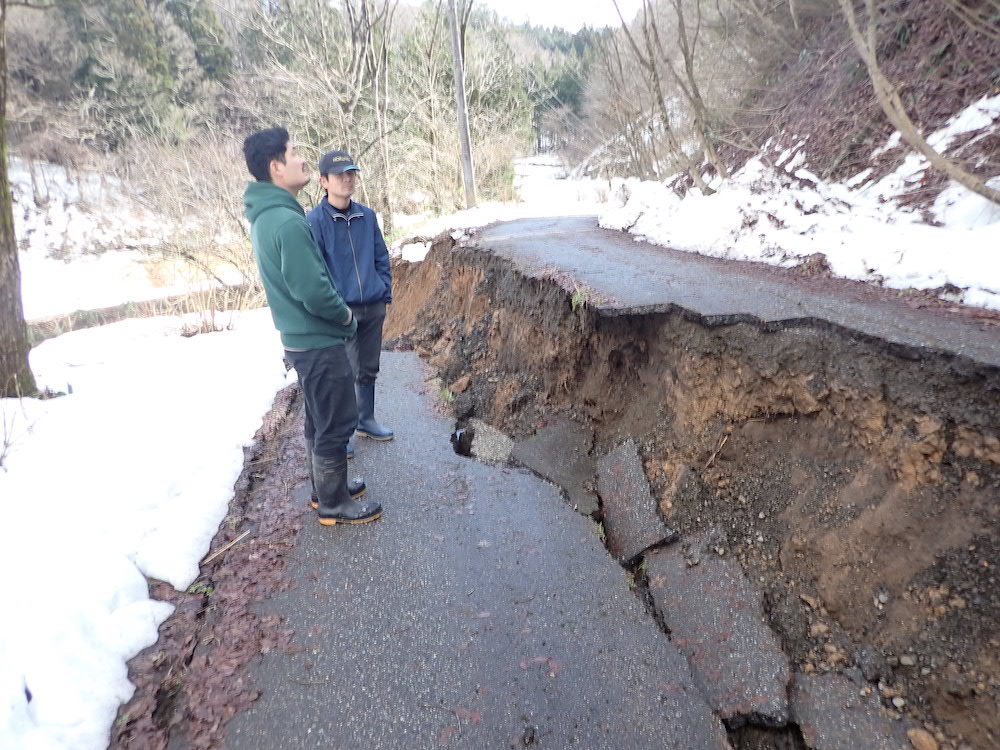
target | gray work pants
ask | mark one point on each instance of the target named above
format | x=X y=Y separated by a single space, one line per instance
x=365 y=348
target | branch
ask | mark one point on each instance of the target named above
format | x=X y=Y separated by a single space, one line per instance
x=892 y=104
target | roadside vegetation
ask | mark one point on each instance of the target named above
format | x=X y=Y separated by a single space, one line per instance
x=158 y=94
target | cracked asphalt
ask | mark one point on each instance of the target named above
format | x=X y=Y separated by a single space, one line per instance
x=640 y=277
x=481 y=611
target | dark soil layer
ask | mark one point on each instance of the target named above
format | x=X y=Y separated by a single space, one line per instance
x=856 y=483
x=194 y=678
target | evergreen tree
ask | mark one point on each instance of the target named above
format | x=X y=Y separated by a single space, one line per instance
x=200 y=23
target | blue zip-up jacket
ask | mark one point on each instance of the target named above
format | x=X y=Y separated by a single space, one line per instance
x=354 y=251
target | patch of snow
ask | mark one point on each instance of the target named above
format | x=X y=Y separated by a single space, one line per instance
x=797 y=161
x=976 y=116
x=889 y=145
x=859 y=178
x=128 y=477
x=761 y=214
x=414 y=251
x=960 y=208
x=543 y=189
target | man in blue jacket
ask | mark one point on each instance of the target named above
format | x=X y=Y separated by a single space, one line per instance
x=349 y=237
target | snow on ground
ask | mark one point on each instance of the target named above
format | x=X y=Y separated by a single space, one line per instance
x=543 y=188
x=783 y=213
x=128 y=476
x=71 y=229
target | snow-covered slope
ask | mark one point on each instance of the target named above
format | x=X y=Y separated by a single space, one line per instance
x=781 y=214
x=127 y=477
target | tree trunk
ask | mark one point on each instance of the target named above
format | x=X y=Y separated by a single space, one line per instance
x=15 y=374
x=865 y=41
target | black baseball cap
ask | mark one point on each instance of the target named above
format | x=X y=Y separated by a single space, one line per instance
x=337 y=162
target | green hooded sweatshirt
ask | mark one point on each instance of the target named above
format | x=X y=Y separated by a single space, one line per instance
x=306 y=307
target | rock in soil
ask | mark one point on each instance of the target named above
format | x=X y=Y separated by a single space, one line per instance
x=921 y=739
x=489 y=444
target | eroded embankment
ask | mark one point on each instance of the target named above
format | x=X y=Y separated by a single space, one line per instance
x=856 y=482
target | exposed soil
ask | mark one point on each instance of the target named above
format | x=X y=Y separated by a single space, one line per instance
x=857 y=483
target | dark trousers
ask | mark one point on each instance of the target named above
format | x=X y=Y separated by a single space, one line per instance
x=365 y=348
x=327 y=381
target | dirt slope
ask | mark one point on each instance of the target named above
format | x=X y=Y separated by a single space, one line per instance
x=859 y=487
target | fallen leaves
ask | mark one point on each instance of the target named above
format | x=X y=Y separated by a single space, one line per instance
x=445 y=735
x=552 y=667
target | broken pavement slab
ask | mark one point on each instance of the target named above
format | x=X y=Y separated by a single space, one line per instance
x=560 y=453
x=715 y=617
x=631 y=519
x=833 y=715
x=479 y=612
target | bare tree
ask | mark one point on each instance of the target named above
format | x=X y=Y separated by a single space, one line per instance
x=981 y=16
x=15 y=373
x=687 y=44
x=864 y=33
x=648 y=57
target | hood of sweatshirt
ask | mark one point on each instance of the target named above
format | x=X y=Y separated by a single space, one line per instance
x=263 y=196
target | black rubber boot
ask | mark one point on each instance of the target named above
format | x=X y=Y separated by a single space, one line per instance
x=355 y=487
x=367 y=426
x=335 y=503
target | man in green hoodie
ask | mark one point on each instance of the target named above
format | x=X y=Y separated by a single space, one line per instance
x=311 y=317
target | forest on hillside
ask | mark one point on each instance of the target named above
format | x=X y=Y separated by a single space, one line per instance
x=145 y=88
x=160 y=94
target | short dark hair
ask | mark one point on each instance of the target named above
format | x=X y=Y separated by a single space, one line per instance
x=263 y=147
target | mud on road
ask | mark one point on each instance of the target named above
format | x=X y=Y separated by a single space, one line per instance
x=856 y=482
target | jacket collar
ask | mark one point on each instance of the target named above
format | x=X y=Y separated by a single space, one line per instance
x=353 y=212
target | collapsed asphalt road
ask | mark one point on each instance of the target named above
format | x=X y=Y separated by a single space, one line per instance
x=636 y=277
x=834 y=441
x=481 y=611
x=795 y=483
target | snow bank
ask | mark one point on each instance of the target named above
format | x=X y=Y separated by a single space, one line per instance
x=780 y=214
x=128 y=476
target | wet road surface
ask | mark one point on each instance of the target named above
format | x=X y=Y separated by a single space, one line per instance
x=480 y=612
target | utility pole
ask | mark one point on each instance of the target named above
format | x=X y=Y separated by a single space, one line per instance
x=468 y=176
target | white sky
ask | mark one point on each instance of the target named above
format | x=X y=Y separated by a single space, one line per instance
x=569 y=14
